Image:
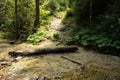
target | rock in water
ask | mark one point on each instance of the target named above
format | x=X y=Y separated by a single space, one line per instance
x=11 y=42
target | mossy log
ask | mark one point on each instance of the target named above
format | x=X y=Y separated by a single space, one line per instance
x=44 y=51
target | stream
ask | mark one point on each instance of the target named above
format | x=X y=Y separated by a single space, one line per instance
x=96 y=66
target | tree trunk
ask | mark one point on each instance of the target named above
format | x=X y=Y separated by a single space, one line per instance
x=37 y=22
x=16 y=20
x=90 y=13
x=44 y=51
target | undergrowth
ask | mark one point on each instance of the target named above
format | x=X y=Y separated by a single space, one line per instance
x=38 y=36
x=55 y=36
x=96 y=38
x=68 y=19
x=104 y=33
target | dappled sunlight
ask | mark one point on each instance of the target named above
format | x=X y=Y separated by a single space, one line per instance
x=54 y=66
x=59 y=40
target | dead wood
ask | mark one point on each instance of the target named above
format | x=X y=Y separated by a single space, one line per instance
x=44 y=51
x=82 y=65
x=67 y=58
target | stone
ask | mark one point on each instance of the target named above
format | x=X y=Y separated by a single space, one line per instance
x=46 y=78
x=5 y=63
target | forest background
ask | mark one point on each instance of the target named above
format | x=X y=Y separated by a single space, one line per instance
x=97 y=22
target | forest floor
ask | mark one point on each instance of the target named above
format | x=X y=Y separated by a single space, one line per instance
x=94 y=65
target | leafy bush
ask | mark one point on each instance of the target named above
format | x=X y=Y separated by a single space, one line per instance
x=44 y=13
x=55 y=5
x=69 y=17
x=69 y=12
x=94 y=38
x=63 y=4
x=55 y=36
x=37 y=37
x=44 y=16
x=104 y=35
x=25 y=19
x=52 y=5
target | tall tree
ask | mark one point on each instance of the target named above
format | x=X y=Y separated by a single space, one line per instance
x=37 y=21
x=90 y=13
x=87 y=10
x=16 y=19
x=2 y=11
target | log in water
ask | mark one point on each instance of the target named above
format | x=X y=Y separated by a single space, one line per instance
x=44 y=51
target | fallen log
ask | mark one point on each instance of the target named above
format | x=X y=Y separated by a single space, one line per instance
x=44 y=51
x=82 y=65
x=70 y=59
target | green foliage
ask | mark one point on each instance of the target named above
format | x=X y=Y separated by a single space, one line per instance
x=94 y=38
x=44 y=13
x=44 y=16
x=81 y=11
x=25 y=18
x=104 y=35
x=41 y=2
x=8 y=18
x=69 y=12
x=55 y=36
x=7 y=35
x=37 y=37
x=52 y=5
x=68 y=20
x=63 y=4
x=2 y=11
x=69 y=17
x=26 y=15
x=55 y=5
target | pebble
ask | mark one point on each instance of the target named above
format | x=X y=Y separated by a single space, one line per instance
x=46 y=78
x=57 y=77
x=26 y=78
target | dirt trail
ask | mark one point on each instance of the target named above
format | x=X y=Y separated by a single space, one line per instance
x=96 y=66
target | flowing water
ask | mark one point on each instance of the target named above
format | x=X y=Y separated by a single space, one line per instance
x=95 y=66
